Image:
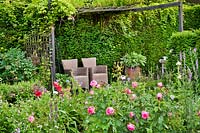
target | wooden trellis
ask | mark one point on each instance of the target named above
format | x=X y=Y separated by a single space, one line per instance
x=37 y=47
x=42 y=47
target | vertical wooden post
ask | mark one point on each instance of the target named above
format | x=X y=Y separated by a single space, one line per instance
x=53 y=64
x=180 y=14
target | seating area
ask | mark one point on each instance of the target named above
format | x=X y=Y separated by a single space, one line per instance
x=84 y=75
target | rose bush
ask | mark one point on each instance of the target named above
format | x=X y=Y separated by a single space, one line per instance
x=107 y=109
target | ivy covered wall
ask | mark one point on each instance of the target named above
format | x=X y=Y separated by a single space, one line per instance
x=109 y=36
x=105 y=36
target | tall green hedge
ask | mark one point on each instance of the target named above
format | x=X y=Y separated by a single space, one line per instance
x=191 y=17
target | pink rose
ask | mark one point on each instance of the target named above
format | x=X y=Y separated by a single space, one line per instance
x=145 y=115
x=134 y=84
x=91 y=92
x=91 y=110
x=131 y=114
x=133 y=96
x=198 y=113
x=128 y=91
x=160 y=84
x=130 y=127
x=159 y=96
x=98 y=86
x=31 y=118
x=93 y=83
x=110 y=111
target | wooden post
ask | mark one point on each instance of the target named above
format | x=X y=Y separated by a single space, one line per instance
x=52 y=55
x=180 y=13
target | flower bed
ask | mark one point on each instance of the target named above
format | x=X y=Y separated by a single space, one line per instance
x=124 y=106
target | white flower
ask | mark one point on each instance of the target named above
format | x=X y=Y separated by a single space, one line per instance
x=178 y=63
x=160 y=60
x=55 y=92
x=39 y=126
x=164 y=57
x=172 y=97
x=123 y=77
x=170 y=51
x=56 y=126
x=179 y=76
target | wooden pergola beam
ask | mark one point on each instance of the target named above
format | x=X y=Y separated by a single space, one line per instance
x=133 y=9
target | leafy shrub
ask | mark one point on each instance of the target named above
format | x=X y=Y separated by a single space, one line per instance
x=133 y=59
x=49 y=114
x=16 y=92
x=14 y=67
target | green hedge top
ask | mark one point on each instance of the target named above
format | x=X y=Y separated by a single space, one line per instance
x=191 y=17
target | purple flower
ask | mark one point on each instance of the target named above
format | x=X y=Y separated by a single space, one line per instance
x=181 y=57
x=190 y=75
x=195 y=50
x=197 y=64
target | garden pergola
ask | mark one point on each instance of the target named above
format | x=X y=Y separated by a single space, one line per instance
x=51 y=38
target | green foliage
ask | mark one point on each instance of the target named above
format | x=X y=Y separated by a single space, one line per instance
x=40 y=15
x=133 y=59
x=51 y=114
x=105 y=36
x=22 y=17
x=181 y=46
x=14 y=67
x=64 y=80
x=14 y=93
x=11 y=23
x=166 y=115
x=191 y=17
x=117 y=70
x=109 y=3
x=108 y=37
x=86 y=40
x=43 y=73
x=173 y=112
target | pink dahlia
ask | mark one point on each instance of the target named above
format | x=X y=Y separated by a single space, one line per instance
x=91 y=110
x=31 y=118
x=159 y=96
x=93 y=83
x=160 y=84
x=110 y=111
x=134 y=84
x=130 y=127
x=131 y=114
x=145 y=115
x=128 y=91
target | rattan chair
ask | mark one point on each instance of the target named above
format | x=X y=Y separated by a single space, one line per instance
x=80 y=74
x=96 y=72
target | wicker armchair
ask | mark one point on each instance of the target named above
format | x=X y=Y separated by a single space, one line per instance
x=98 y=73
x=80 y=74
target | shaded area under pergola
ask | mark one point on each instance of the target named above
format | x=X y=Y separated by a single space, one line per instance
x=51 y=43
